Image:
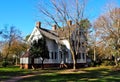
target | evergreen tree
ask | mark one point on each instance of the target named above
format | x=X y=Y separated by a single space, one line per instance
x=39 y=49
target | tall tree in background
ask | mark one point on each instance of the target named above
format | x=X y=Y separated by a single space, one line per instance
x=60 y=11
x=18 y=47
x=39 y=49
x=94 y=44
x=9 y=35
x=108 y=27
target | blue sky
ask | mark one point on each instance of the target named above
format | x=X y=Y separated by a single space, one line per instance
x=24 y=13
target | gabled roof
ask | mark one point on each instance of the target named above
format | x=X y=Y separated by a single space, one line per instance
x=56 y=34
x=49 y=34
x=59 y=33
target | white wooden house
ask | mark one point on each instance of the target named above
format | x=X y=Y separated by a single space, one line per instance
x=54 y=39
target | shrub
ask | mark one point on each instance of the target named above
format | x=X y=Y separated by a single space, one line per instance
x=108 y=62
x=95 y=63
x=5 y=63
x=0 y=64
x=92 y=64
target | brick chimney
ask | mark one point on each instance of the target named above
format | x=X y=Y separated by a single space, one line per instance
x=38 y=24
x=69 y=23
x=54 y=27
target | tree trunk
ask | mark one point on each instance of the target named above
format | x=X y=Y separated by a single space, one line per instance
x=116 y=63
x=16 y=60
x=94 y=58
x=72 y=52
x=42 y=64
x=32 y=62
x=9 y=45
x=74 y=60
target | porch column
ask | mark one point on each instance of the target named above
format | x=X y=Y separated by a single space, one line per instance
x=85 y=57
x=50 y=56
x=58 y=54
x=69 y=57
x=81 y=56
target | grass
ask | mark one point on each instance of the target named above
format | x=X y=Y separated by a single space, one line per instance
x=93 y=74
x=11 y=71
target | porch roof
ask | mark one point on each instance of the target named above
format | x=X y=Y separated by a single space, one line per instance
x=27 y=54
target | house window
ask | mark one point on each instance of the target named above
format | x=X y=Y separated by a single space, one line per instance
x=79 y=56
x=55 y=55
x=83 y=55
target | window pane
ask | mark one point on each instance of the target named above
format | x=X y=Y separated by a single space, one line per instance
x=79 y=56
x=55 y=55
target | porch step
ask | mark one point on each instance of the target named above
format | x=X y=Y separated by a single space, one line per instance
x=63 y=66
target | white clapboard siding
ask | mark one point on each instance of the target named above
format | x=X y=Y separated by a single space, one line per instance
x=24 y=61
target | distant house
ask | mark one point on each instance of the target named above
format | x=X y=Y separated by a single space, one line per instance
x=54 y=39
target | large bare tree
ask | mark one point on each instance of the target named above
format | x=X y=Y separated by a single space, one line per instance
x=108 y=27
x=59 y=12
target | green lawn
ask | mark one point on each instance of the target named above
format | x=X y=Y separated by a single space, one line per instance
x=94 y=74
x=8 y=72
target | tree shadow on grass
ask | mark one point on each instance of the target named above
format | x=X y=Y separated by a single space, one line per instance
x=8 y=72
x=98 y=75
